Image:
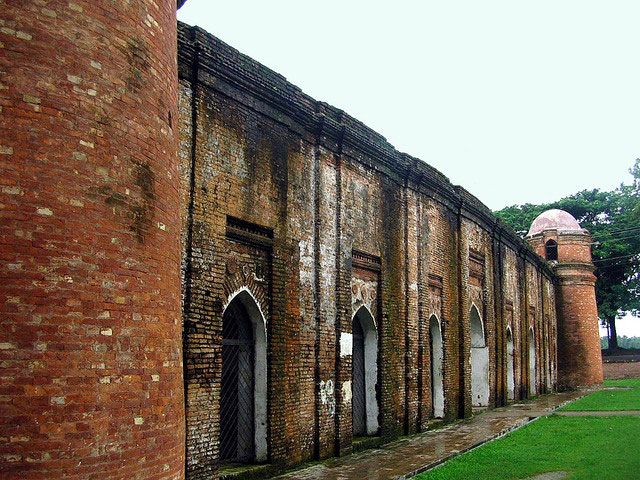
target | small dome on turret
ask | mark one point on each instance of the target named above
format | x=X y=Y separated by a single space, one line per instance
x=554 y=220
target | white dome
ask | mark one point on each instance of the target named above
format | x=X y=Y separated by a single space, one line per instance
x=554 y=220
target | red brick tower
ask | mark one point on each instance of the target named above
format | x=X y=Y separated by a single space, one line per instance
x=556 y=236
x=90 y=344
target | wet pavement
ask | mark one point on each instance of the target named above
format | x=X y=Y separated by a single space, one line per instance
x=409 y=456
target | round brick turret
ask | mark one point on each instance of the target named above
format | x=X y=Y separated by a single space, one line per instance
x=89 y=241
x=557 y=236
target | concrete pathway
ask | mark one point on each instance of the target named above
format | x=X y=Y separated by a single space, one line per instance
x=407 y=457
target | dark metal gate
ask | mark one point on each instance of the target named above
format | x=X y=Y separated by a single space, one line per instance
x=358 y=384
x=236 y=396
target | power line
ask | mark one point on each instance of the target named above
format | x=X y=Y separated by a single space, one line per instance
x=619 y=264
x=615 y=258
x=599 y=242
x=616 y=232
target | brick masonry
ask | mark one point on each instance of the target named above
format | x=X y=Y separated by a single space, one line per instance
x=90 y=348
x=579 y=355
x=125 y=194
x=353 y=222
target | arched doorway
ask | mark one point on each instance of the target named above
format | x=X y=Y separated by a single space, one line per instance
x=511 y=387
x=364 y=374
x=532 y=362
x=243 y=386
x=437 y=377
x=479 y=362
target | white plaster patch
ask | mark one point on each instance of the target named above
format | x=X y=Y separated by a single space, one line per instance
x=346 y=344
x=327 y=396
x=346 y=392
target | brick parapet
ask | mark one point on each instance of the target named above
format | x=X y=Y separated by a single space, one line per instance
x=223 y=68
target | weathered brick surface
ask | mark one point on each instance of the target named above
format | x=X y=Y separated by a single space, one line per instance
x=287 y=201
x=335 y=195
x=89 y=247
x=578 y=355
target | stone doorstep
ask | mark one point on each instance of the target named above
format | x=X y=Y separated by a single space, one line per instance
x=364 y=443
x=244 y=471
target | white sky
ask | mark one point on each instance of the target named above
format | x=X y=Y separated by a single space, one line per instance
x=516 y=101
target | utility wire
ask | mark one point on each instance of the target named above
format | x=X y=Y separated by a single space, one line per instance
x=615 y=258
x=616 y=232
x=622 y=264
x=599 y=242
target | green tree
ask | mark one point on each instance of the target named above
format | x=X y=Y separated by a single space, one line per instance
x=613 y=218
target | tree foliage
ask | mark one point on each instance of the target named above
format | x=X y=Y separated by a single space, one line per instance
x=630 y=343
x=613 y=218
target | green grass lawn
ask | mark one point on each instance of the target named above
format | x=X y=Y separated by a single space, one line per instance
x=594 y=448
x=610 y=399
x=584 y=447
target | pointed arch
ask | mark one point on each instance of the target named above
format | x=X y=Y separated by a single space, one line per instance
x=511 y=387
x=252 y=304
x=251 y=310
x=477 y=328
x=479 y=359
x=364 y=372
x=437 y=366
x=532 y=362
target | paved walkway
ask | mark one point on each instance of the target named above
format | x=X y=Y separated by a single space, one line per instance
x=409 y=456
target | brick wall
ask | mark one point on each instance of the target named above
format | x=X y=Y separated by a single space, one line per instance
x=275 y=198
x=89 y=241
x=578 y=353
x=354 y=222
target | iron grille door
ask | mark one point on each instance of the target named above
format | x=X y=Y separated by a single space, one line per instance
x=357 y=379
x=432 y=360
x=236 y=395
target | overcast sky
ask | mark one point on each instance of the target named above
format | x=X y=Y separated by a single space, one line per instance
x=519 y=102
x=516 y=101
